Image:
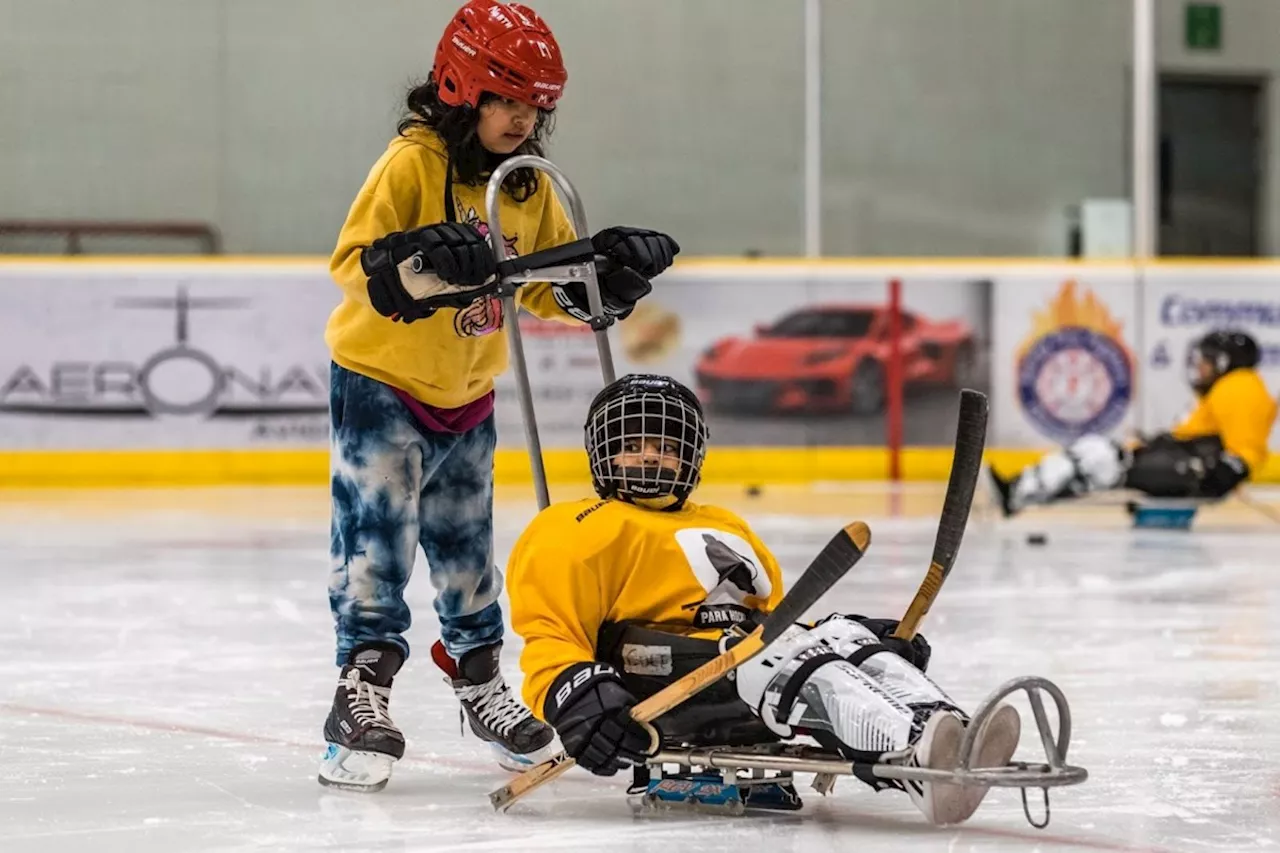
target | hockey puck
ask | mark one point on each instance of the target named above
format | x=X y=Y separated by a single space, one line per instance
x=753 y=491
x=1037 y=539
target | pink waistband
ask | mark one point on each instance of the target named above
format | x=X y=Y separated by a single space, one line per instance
x=455 y=421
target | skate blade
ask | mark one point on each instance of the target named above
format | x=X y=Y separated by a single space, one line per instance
x=352 y=786
x=347 y=770
x=517 y=762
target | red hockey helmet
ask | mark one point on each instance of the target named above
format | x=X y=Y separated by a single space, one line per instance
x=504 y=48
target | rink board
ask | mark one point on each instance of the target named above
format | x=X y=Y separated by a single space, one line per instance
x=198 y=371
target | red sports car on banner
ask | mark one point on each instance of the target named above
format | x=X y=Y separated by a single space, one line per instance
x=831 y=358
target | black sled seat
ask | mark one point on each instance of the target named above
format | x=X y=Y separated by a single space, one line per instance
x=695 y=775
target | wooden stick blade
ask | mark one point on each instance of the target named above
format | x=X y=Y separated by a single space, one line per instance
x=534 y=777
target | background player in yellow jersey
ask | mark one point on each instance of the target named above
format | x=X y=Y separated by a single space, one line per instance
x=618 y=596
x=416 y=345
x=1212 y=451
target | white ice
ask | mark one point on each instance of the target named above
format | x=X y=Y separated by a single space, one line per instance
x=168 y=666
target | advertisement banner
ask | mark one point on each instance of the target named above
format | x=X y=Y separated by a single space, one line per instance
x=212 y=355
x=164 y=356
x=780 y=355
x=1065 y=355
x=1182 y=304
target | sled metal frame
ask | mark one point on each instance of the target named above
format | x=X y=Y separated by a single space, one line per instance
x=788 y=759
x=508 y=284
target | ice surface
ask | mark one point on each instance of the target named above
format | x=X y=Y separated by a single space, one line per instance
x=169 y=667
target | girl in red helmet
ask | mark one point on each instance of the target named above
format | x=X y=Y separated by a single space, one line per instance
x=415 y=348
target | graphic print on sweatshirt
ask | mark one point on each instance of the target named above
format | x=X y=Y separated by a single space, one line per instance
x=730 y=570
x=483 y=316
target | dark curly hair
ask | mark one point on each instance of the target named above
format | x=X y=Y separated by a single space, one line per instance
x=457 y=127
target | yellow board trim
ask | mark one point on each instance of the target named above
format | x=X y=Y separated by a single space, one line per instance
x=764 y=262
x=758 y=465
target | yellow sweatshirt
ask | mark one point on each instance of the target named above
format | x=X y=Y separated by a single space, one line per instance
x=450 y=358
x=1240 y=411
x=580 y=564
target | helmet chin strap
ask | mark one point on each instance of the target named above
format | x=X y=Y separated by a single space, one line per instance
x=662 y=483
x=659 y=503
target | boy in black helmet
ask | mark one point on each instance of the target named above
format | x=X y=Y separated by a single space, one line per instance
x=1208 y=454
x=618 y=596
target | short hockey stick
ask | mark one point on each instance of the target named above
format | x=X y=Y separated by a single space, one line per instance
x=833 y=561
x=966 y=465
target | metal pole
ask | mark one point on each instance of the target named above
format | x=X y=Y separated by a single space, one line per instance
x=510 y=311
x=813 y=128
x=1145 y=161
x=1144 y=130
x=894 y=379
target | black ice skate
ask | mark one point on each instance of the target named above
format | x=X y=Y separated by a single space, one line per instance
x=363 y=740
x=518 y=739
x=1002 y=490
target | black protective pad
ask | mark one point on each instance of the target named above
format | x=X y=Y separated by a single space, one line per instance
x=1167 y=468
x=649 y=657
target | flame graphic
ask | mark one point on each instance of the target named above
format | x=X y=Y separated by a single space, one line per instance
x=1068 y=310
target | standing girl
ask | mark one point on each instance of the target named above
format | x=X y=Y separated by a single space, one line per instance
x=415 y=352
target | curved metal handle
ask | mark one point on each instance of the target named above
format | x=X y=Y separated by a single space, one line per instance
x=492 y=192
x=507 y=291
x=577 y=213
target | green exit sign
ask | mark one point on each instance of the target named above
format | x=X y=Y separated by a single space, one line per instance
x=1203 y=29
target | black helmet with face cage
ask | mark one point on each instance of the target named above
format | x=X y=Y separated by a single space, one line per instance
x=639 y=409
x=1224 y=350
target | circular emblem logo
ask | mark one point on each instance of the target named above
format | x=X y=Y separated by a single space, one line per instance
x=1075 y=381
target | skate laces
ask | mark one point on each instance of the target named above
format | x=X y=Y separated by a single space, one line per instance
x=367 y=702
x=494 y=704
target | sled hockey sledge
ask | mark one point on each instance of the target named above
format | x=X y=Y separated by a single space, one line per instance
x=1166 y=513
x=728 y=778
x=699 y=781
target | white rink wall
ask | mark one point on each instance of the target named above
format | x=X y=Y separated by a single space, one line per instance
x=196 y=355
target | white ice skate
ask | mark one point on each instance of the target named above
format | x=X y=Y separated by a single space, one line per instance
x=350 y=770
x=939 y=749
x=996 y=741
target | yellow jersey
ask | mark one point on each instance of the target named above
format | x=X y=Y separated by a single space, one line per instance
x=1240 y=411
x=581 y=564
x=450 y=358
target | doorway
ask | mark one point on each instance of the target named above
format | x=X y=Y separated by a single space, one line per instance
x=1211 y=166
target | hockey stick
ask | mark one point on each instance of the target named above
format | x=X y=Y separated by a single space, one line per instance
x=837 y=557
x=966 y=465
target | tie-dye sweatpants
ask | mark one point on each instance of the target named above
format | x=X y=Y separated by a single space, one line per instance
x=397 y=487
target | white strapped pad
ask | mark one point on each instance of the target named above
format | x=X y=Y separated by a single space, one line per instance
x=1092 y=463
x=832 y=695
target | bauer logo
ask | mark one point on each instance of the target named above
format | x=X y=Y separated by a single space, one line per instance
x=177 y=379
x=1074 y=373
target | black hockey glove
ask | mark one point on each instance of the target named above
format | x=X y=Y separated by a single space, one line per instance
x=917 y=652
x=588 y=707
x=455 y=254
x=1220 y=479
x=620 y=290
x=646 y=252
